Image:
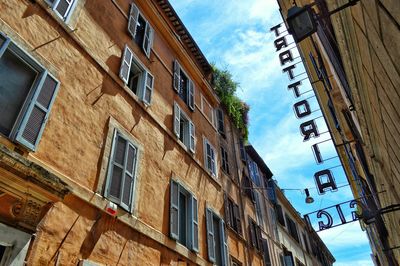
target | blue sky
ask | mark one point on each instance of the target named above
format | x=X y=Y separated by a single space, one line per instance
x=234 y=34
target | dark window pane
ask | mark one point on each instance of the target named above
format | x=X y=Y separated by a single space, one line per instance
x=16 y=79
x=182 y=219
x=119 y=154
x=140 y=28
x=2 y=251
x=217 y=241
x=62 y=7
x=116 y=180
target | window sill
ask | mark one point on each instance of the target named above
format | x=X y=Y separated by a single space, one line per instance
x=236 y=234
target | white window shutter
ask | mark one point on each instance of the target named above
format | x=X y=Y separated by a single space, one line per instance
x=148 y=39
x=174 y=210
x=195 y=226
x=210 y=235
x=126 y=62
x=177 y=120
x=177 y=76
x=148 y=86
x=133 y=19
x=192 y=143
x=37 y=113
x=224 y=244
x=191 y=95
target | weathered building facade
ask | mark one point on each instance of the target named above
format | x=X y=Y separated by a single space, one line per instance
x=114 y=148
x=352 y=64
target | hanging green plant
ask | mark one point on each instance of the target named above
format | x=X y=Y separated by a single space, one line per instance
x=238 y=110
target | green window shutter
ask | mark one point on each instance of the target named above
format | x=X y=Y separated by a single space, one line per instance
x=37 y=113
x=194 y=225
x=177 y=76
x=210 y=235
x=192 y=142
x=174 y=210
x=148 y=39
x=191 y=95
x=177 y=120
x=126 y=62
x=223 y=243
x=133 y=19
x=148 y=87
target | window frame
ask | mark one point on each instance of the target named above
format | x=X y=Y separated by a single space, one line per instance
x=192 y=218
x=32 y=99
x=210 y=239
x=189 y=139
x=190 y=98
x=204 y=102
x=128 y=59
x=213 y=170
x=232 y=220
x=129 y=142
x=54 y=4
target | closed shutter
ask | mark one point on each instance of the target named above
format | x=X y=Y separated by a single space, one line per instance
x=177 y=120
x=236 y=215
x=148 y=39
x=126 y=64
x=226 y=209
x=210 y=235
x=224 y=244
x=221 y=125
x=133 y=19
x=177 y=76
x=253 y=238
x=191 y=95
x=267 y=259
x=192 y=143
x=37 y=113
x=174 y=210
x=195 y=225
x=148 y=87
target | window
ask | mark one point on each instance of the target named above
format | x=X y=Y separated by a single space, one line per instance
x=243 y=155
x=255 y=235
x=266 y=257
x=258 y=206
x=221 y=123
x=216 y=239
x=224 y=160
x=122 y=172
x=207 y=110
x=254 y=173
x=27 y=93
x=63 y=8
x=210 y=161
x=140 y=30
x=248 y=187
x=184 y=128
x=139 y=80
x=279 y=214
x=305 y=243
x=183 y=85
x=184 y=220
x=232 y=215
x=288 y=257
x=292 y=228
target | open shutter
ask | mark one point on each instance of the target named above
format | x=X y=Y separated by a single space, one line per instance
x=125 y=64
x=128 y=182
x=133 y=19
x=192 y=143
x=148 y=39
x=224 y=243
x=174 y=210
x=252 y=233
x=37 y=113
x=236 y=215
x=177 y=76
x=259 y=238
x=226 y=209
x=267 y=259
x=177 y=120
x=195 y=225
x=191 y=95
x=116 y=169
x=220 y=119
x=148 y=87
x=210 y=235
x=213 y=163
